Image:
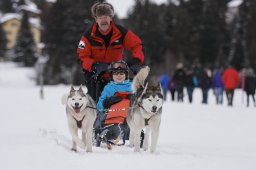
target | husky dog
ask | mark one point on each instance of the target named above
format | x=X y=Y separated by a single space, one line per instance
x=81 y=114
x=146 y=110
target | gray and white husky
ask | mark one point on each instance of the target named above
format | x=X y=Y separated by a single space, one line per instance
x=81 y=114
x=146 y=110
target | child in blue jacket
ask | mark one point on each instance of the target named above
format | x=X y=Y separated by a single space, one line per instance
x=119 y=83
x=119 y=73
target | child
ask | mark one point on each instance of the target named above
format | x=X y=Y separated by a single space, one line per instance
x=119 y=83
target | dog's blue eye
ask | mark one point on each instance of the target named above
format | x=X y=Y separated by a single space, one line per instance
x=73 y=99
x=150 y=100
x=80 y=99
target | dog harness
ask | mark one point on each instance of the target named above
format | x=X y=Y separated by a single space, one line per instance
x=79 y=123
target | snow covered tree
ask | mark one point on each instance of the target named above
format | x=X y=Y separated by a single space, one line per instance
x=25 y=47
x=62 y=33
x=213 y=33
x=145 y=20
x=248 y=35
x=6 y=6
x=3 y=42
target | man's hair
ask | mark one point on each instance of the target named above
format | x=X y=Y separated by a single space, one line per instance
x=102 y=8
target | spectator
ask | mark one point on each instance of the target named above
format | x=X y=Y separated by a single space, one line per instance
x=250 y=85
x=179 y=79
x=218 y=86
x=205 y=83
x=172 y=89
x=164 y=80
x=190 y=84
x=230 y=79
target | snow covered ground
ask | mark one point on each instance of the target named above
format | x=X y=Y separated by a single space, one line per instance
x=34 y=133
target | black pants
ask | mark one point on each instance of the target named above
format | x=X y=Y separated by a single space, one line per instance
x=190 y=94
x=248 y=99
x=94 y=86
x=230 y=95
x=172 y=94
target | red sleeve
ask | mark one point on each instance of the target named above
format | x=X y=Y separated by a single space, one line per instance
x=133 y=43
x=84 y=53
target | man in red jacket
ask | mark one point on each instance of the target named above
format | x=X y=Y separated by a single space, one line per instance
x=230 y=80
x=104 y=42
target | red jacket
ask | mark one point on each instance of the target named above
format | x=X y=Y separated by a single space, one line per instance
x=92 y=47
x=230 y=78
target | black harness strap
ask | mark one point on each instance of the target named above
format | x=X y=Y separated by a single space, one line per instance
x=91 y=107
x=146 y=120
x=79 y=123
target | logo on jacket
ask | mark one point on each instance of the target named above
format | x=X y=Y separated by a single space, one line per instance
x=81 y=45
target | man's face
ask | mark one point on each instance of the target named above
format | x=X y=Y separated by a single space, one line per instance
x=103 y=22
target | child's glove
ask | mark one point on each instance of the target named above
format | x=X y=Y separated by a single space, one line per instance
x=107 y=103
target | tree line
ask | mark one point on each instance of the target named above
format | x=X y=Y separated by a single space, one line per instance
x=195 y=32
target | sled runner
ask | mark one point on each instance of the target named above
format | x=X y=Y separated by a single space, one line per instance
x=111 y=123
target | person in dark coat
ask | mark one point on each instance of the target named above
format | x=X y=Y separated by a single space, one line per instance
x=250 y=85
x=190 y=84
x=179 y=79
x=205 y=83
x=218 y=86
x=172 y=88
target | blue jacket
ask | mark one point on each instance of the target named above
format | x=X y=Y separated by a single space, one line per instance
x=217 y=80
x=165 y=79
x=111 y=88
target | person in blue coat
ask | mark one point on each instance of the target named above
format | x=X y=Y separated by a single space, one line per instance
x=165 y=80
x=218 y=86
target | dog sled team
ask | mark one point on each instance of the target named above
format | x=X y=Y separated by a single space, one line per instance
x=112 y=108
x=125 y=110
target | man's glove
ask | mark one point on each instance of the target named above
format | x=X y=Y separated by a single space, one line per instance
x=135 y=69
x=107 y=103
x=133 y=61
x=99 y=68
x=134 y=65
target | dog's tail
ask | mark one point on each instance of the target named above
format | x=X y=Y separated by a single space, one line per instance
x=64 y=99
x=139 y=79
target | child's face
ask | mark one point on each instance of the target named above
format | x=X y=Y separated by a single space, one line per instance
x=119 y=76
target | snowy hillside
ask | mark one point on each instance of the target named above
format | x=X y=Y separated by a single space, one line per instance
x=34 y=133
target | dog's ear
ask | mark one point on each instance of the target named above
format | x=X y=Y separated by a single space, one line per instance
x=85 y=89
x=72 y=89
x=81 y=89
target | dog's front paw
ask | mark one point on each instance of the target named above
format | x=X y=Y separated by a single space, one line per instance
x=152 y=151
x=73 y=149
x=89 y=150
x=130 y=145
x=81 y=144
x=145 y=148
x=136 y=149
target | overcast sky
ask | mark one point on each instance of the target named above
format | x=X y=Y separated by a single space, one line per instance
x=122 y=6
